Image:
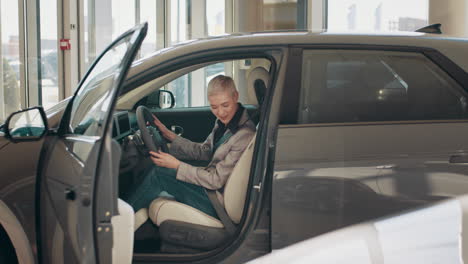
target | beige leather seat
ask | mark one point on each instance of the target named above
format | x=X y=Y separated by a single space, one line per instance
x=163 y=209
x=179 y=222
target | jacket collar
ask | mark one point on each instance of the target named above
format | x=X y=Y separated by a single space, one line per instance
x=238 y=120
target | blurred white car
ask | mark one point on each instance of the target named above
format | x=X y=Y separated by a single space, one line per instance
x=434 y=234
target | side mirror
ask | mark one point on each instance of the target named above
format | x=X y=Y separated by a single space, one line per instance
x=166 y=99
x=26 y=125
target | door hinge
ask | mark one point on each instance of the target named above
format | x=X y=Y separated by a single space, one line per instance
x=105 y=242
x=258 y=187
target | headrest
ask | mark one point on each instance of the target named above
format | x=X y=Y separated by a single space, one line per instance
x=257 y=83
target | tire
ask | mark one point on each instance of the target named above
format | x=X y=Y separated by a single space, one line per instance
x=7 y=251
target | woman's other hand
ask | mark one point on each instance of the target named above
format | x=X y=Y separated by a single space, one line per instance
x=163 y=159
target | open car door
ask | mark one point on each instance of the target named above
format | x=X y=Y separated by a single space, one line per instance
x=78 y=169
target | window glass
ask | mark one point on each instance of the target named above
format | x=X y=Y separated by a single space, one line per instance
x=280 y=14
x=49 y=55
x=92 y=103
x=123 y=16
x=215 y=13
x=148 y=14
x=195 y=95
x=190 y=89
x=361 y=86
x=382 y=15
x=10 y=59
x=179 y=16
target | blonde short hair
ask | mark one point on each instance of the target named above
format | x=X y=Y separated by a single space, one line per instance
x=221 y=84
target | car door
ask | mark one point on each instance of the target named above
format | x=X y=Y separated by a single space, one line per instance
x=372 y=133
x=79 y=164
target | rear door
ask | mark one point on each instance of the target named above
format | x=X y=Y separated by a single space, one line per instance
x=372 y=133
x=79 y=164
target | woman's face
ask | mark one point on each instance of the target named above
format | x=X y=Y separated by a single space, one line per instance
x=224 y=105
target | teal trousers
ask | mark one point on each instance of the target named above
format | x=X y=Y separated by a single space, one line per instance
x=159 y=181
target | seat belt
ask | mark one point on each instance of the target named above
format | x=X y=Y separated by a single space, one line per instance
x=221 y=212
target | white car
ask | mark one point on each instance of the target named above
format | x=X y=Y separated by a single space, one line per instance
x=434 y=234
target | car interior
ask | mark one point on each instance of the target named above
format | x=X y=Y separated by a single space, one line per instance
x=167 y=226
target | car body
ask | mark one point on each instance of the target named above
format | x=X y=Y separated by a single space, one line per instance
x=350 y=128
x=436 y=233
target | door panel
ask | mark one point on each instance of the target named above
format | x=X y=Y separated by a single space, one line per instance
x=74 y=165
x=197 y=122
x=353 y=173
x=368 y=137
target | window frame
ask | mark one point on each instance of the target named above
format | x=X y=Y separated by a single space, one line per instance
x=294 y=75
x=263 y=157
x=202 y=58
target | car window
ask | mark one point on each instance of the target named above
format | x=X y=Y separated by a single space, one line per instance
x=92 y=102
x=362 y=86
x=190 y=89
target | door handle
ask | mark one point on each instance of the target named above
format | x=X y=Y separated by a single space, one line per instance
x=458 y=158
x=70 y=194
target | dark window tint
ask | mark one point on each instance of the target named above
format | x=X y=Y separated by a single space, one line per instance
x=360 y=86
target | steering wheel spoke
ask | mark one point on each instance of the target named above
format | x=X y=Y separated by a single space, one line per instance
x=150 y=134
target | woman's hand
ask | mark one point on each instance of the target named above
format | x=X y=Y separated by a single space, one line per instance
x=168 y=134
x=164 y=160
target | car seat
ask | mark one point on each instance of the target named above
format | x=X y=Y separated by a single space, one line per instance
x=186 y=229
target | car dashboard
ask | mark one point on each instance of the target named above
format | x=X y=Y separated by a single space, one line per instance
x=121 y=125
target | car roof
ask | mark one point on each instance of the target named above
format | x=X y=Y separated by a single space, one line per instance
x=452 y=47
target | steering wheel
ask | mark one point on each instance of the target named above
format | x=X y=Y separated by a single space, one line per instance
x=150 y=134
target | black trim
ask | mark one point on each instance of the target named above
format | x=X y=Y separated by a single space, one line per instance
x=433 y=29
x=292 y=90
x=448 y=66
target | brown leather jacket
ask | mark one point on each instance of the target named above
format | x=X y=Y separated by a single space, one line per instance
x=223 y=160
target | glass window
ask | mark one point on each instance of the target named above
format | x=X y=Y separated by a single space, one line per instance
x=107 y=19
x=354 y=86
x=383 y=15
x=49 y=55
x=215 y=17
x=280 y=14
x=190 y=88
x=179 y=16
x=10 y=57
x=123 y=16
x=195 y=95
x=92 y=103
x=148 y=14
